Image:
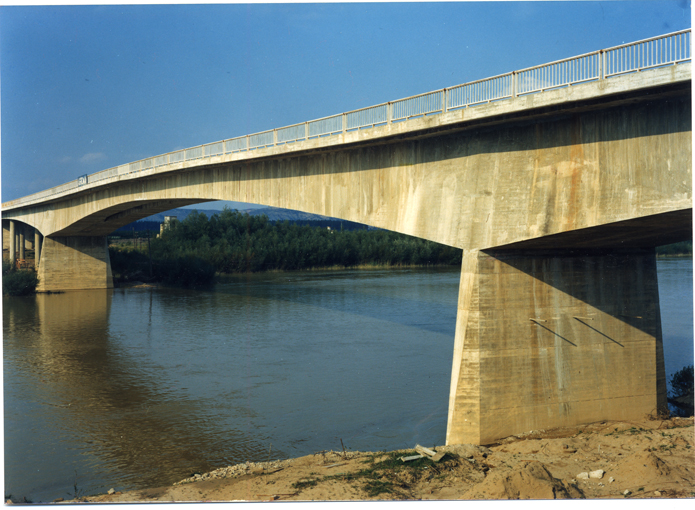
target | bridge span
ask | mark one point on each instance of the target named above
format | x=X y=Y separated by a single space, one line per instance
x=557 y=182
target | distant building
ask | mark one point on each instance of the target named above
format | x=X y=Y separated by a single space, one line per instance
x=168 y=222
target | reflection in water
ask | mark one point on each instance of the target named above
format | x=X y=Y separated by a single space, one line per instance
x=142 y=387
x=104 y=399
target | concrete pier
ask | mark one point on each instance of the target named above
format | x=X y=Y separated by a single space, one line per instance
x=551 y=339
x=37 y=248
x=13 y=242
x=22 y=244
x=70 y=263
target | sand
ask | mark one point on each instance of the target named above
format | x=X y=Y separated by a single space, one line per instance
x=648 y=459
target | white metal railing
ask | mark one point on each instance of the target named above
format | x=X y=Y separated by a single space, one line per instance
x=213 y=149
x=367 y=117
x=258 y=140
x=648 y=53
x=415 y=106
x=291 y=133
x=176 y=157
x=561 y=73
x=668 y=49
x=193 y=153
x=235 y=145
x=481 y=91
x=326 y=126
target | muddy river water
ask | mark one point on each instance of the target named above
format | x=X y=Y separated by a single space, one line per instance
x=140 y=387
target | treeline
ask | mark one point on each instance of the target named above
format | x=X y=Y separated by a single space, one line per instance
x=682 y=249
x=192 y=250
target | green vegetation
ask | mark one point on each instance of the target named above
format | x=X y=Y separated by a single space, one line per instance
x=682 y=249
x=18 y=282
x=131 y=263
x=127 y=260
x=305 y=484
x=681 y=393
x=632 y=431
x=192 y=250
x=390 y=474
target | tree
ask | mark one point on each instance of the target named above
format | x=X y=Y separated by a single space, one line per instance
x=681 y=394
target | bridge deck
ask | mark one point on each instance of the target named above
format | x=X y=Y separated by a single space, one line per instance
x=549 y=86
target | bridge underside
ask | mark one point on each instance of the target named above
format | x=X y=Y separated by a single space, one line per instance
x=108 y=219
x=647 y=231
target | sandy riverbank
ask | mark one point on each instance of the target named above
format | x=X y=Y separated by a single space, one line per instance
x=648 y=459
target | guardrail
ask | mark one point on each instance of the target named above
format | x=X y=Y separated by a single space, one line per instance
x=668 y=49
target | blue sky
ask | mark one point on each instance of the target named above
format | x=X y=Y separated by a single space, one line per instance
x=85 y=88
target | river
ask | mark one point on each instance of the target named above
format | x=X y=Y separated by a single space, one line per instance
x=142 y=387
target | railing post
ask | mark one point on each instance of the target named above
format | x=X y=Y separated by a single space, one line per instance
x=344 y=119
x=306 y=130
x=275 y=137
x=248 y=145
x=513 y=83
x=389 y=112
x=601 y=65
x=443 y=100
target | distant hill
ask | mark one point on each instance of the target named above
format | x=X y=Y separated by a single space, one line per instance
x=274 y=214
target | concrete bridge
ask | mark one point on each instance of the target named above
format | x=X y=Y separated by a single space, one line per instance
x=556 y=181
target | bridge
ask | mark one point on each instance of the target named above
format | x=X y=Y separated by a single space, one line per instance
x=557 y=181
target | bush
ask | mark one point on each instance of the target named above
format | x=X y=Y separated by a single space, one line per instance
x=681 y=393
x=18 y=282
x=127 y=261
x=187 y=270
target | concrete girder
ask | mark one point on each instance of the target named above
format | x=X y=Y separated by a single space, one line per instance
x=471 y=189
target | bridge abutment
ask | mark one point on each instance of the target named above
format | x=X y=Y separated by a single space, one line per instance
x=72 y=263
x=552 y=339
